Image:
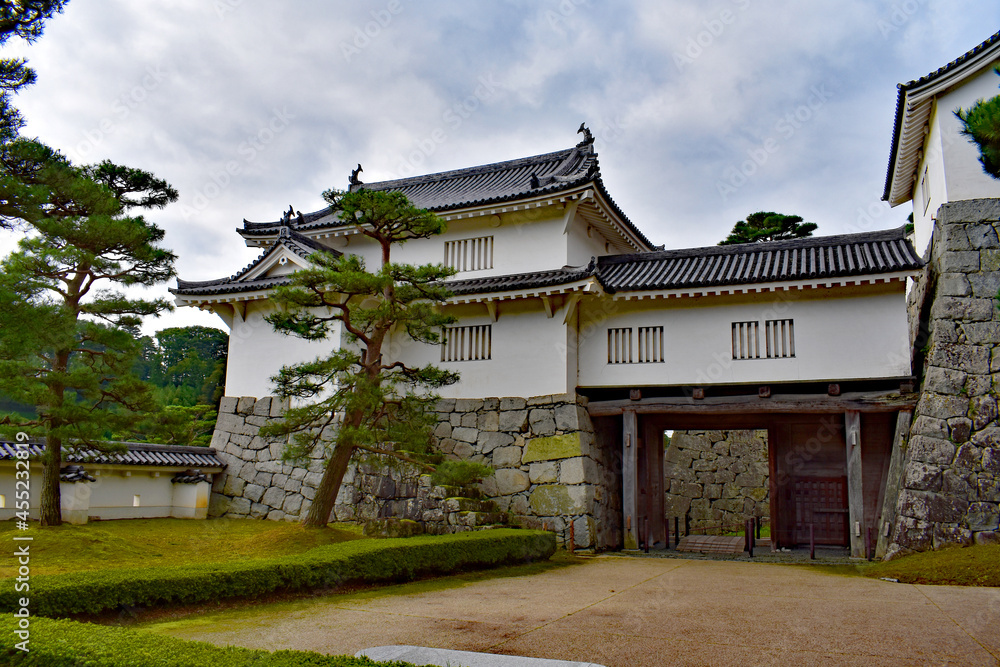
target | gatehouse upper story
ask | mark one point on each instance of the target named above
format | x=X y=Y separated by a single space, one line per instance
x=556 y=289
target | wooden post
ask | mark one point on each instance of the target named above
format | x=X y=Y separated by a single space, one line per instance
x=630 y=477
x=893 y=483
x=855 y=492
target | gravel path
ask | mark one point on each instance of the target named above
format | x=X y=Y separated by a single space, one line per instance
x=640 y=611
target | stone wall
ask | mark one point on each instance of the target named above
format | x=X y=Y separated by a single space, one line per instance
x=950 y=490
x=548 y=471
x=256 y=482
x=716 y=478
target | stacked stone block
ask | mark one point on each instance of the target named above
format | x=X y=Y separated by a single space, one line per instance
x=716 y=478
x=950 y=491
x=257 y=483
x=548 y=471
x=387 y=497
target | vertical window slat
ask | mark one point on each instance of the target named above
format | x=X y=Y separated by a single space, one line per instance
x=474 y=254
x=468 y=343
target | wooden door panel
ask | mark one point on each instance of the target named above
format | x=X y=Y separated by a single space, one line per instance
x=822 y=503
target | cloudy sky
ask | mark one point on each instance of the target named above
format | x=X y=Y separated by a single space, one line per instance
x=704 y=111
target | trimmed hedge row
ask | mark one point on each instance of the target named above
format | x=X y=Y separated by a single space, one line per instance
x=322 y=568
x=60 y=643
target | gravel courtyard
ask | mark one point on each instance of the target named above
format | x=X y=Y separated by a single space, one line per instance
x=639 y=611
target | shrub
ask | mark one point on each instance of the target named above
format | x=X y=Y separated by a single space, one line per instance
x=61 y=643
x=322 y=568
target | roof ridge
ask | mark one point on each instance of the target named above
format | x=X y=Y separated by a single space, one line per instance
x=471 y=171
x=971 y=53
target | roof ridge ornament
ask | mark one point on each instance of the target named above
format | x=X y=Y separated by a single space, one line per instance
x=588 y=136
x=354 y=176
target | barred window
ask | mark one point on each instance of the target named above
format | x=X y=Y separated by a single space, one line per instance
x=469 y=254
x=746 y=341
x=468 y=343
x=779 y=339
x=620 y=345
x=650 y=345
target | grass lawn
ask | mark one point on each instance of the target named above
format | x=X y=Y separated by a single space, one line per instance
x=955 y=566
x=106 y=545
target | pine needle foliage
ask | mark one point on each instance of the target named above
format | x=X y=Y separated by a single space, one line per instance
x=766 y=226
x=981 y=123
x=68 y=335
x=354 y=402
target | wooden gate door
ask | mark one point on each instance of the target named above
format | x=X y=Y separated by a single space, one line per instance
x=822 y=503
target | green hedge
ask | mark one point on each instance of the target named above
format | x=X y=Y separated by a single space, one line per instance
x=326 y=567
x=60 y=643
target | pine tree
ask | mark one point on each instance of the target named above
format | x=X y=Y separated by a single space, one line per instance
x=24 y=19
x=353 y=402
x=981 y=123
x=769 y=226
x=68 y=341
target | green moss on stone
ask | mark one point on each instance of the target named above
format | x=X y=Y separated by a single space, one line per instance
x=552 y=500
x=553 y=447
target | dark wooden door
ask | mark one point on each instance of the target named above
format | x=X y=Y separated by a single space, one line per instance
x=822 y=503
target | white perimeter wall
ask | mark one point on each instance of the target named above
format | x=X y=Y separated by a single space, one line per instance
x=839 y=335
x=112 y=495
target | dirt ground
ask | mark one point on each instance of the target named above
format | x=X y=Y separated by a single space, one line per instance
x=638 y=611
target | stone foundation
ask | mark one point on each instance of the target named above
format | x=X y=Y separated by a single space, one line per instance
x=950 y=491
x=716 y=478
x=548 y=471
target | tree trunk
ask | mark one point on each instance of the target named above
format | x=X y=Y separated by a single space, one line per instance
x=50 y=510
x=329 y=486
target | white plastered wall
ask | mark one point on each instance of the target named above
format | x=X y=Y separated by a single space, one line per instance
x=840 y=334
x=119 y=492
x=523 y=241
x=529 y=353
x=950 y=160
x=257 y=351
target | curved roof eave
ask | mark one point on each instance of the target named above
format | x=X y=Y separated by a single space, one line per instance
x=913 y=110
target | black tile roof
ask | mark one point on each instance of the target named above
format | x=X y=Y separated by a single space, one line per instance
x=495 y=183
x=799 y=259
x=904 y=88
x=868 y=253
x=301 y=245
x=140 y=454
x=567 y=274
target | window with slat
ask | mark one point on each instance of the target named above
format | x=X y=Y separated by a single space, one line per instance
x=779 y=337
x=468 y=343
x=650 y=345
x=620 y=345
x=469 y=254
x=746 y=340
